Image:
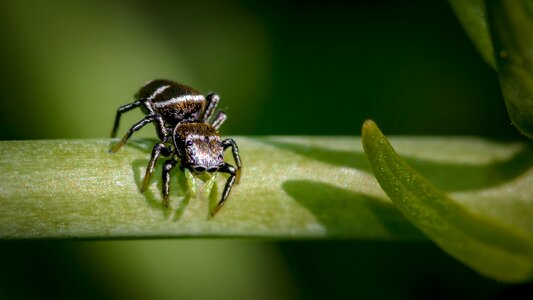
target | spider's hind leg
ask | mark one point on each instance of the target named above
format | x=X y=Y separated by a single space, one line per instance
x=212 y=101
x=123 y=109
x=220 y=118
x=162 y=132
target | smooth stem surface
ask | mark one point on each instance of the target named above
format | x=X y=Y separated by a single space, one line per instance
x=291 y=187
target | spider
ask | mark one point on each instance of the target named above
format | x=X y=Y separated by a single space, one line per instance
x=168 y=103
x=197 y=148
x=187 y=133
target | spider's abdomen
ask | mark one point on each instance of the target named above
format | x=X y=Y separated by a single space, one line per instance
x=175 y=102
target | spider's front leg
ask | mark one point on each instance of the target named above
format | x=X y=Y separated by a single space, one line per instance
x=167 y=167
x=236 y=156
x=159 y=149
x=226 y=168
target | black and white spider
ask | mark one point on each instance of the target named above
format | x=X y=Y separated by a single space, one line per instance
x=188 y=136
x=167 y=103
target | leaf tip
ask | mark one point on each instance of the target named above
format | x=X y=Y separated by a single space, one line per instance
x=370 y=135
x=368 y=125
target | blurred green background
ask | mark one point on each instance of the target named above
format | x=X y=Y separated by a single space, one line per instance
x=281 y=67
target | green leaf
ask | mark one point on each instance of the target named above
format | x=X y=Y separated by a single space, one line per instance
x=473 y=18
x=511 y=24
x=491 y=247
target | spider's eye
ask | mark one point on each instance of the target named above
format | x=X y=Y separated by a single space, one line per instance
x=188 y=143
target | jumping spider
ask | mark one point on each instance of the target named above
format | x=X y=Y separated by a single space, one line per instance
x=168 y=103
x=187 y=135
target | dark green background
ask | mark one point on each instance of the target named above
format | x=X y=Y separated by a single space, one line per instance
x=281 y=67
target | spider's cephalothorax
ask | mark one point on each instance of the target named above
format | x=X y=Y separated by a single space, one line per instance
x=197 y=148
x=168 y=103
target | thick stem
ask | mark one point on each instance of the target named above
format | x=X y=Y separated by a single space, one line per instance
x=291 y=187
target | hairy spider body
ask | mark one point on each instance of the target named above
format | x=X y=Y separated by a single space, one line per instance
x=188 y=133
x=173 y=101
x=197 y=147
x=167 y=104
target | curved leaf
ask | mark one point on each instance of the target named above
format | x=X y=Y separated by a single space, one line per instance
x=473 y=18
x=511 y=24
x=494 y=249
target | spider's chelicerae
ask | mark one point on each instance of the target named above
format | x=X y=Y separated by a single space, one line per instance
x=187 y=135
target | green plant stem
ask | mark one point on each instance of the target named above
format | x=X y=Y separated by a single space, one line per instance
x=291 y=187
